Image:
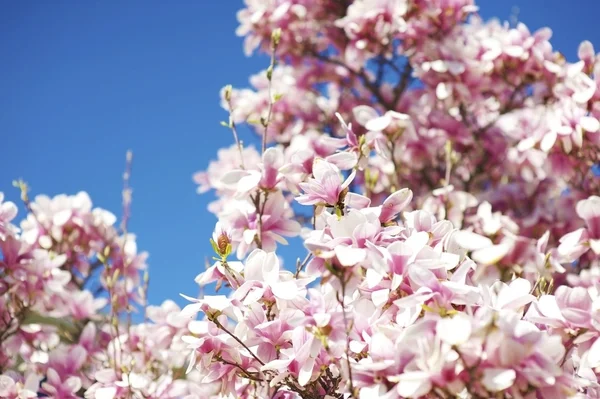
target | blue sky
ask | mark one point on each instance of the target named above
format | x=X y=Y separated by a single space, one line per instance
x=83 y=81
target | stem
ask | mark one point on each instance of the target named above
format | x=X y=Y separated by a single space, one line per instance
x=569 y=345
x=347 y=328
x=239 y=341
x=265 y=122
x=300 y=266
x=233 y=126
x=404 y=81
x=361 y=74
x=247 y=374
x=260 y=209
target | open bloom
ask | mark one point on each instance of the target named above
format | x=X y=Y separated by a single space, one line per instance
x=327 y=188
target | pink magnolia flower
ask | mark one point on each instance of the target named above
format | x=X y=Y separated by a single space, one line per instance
x=392 y=122
x=243 y=181
x=14 y=388
x=82 y=305
x=56 y=387
x=573 y=245
x=264 y=279
x=269 y=224
x=228 y=159
x=513 y=296
x=327 y=187
x=68 y=360
x=299 y=360
x=567 y=308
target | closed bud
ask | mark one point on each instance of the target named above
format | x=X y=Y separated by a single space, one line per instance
x=276 y=37
x=228 y=90
x=223 y=243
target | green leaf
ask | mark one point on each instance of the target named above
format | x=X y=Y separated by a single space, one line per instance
x=214 y=246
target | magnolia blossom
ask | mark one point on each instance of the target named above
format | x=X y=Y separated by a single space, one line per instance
x=327 y=187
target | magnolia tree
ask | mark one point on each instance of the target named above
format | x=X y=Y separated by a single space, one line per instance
x=442 y=173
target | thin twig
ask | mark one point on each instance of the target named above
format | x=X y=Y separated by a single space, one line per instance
x=239 y=341
x=233 y=126
x=275 y=36
x=347 y=328
x=300 y=266
x=405 y=79
x=371 y=86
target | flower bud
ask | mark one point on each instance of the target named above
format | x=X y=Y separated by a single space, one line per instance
x=276 y=37
x=228 y=90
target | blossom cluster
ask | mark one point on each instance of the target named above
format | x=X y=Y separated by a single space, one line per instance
x=441 y=172
x=68 y=278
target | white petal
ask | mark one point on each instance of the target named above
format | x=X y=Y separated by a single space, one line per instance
x=472 y=241
x=593 y=355
x=306 y=372
x=349 y=256
x=595 y=246
x=498 y=379
x=439 y=66
x=514 y=51
x=343 y=160
x=106 y=393
x=286 y=290
x=378 y=124
x=74 y=383
x=62 y=217
x=322 y=319
x=217 y=302
x=455 y=330
x=380 y=297
x=45 y=242
x=443 y=91
x=363 y=114
x=589 y=123
x=373 y=278
x=586 y=50
x=491 y=255
x=248 y=183
x=413 y=384
x=105 y=376
x=548 y=141
x=191 y=310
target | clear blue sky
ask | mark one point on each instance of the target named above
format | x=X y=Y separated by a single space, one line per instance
x=83 y=81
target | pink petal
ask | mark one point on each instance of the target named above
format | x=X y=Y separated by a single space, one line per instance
x=394 y=204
